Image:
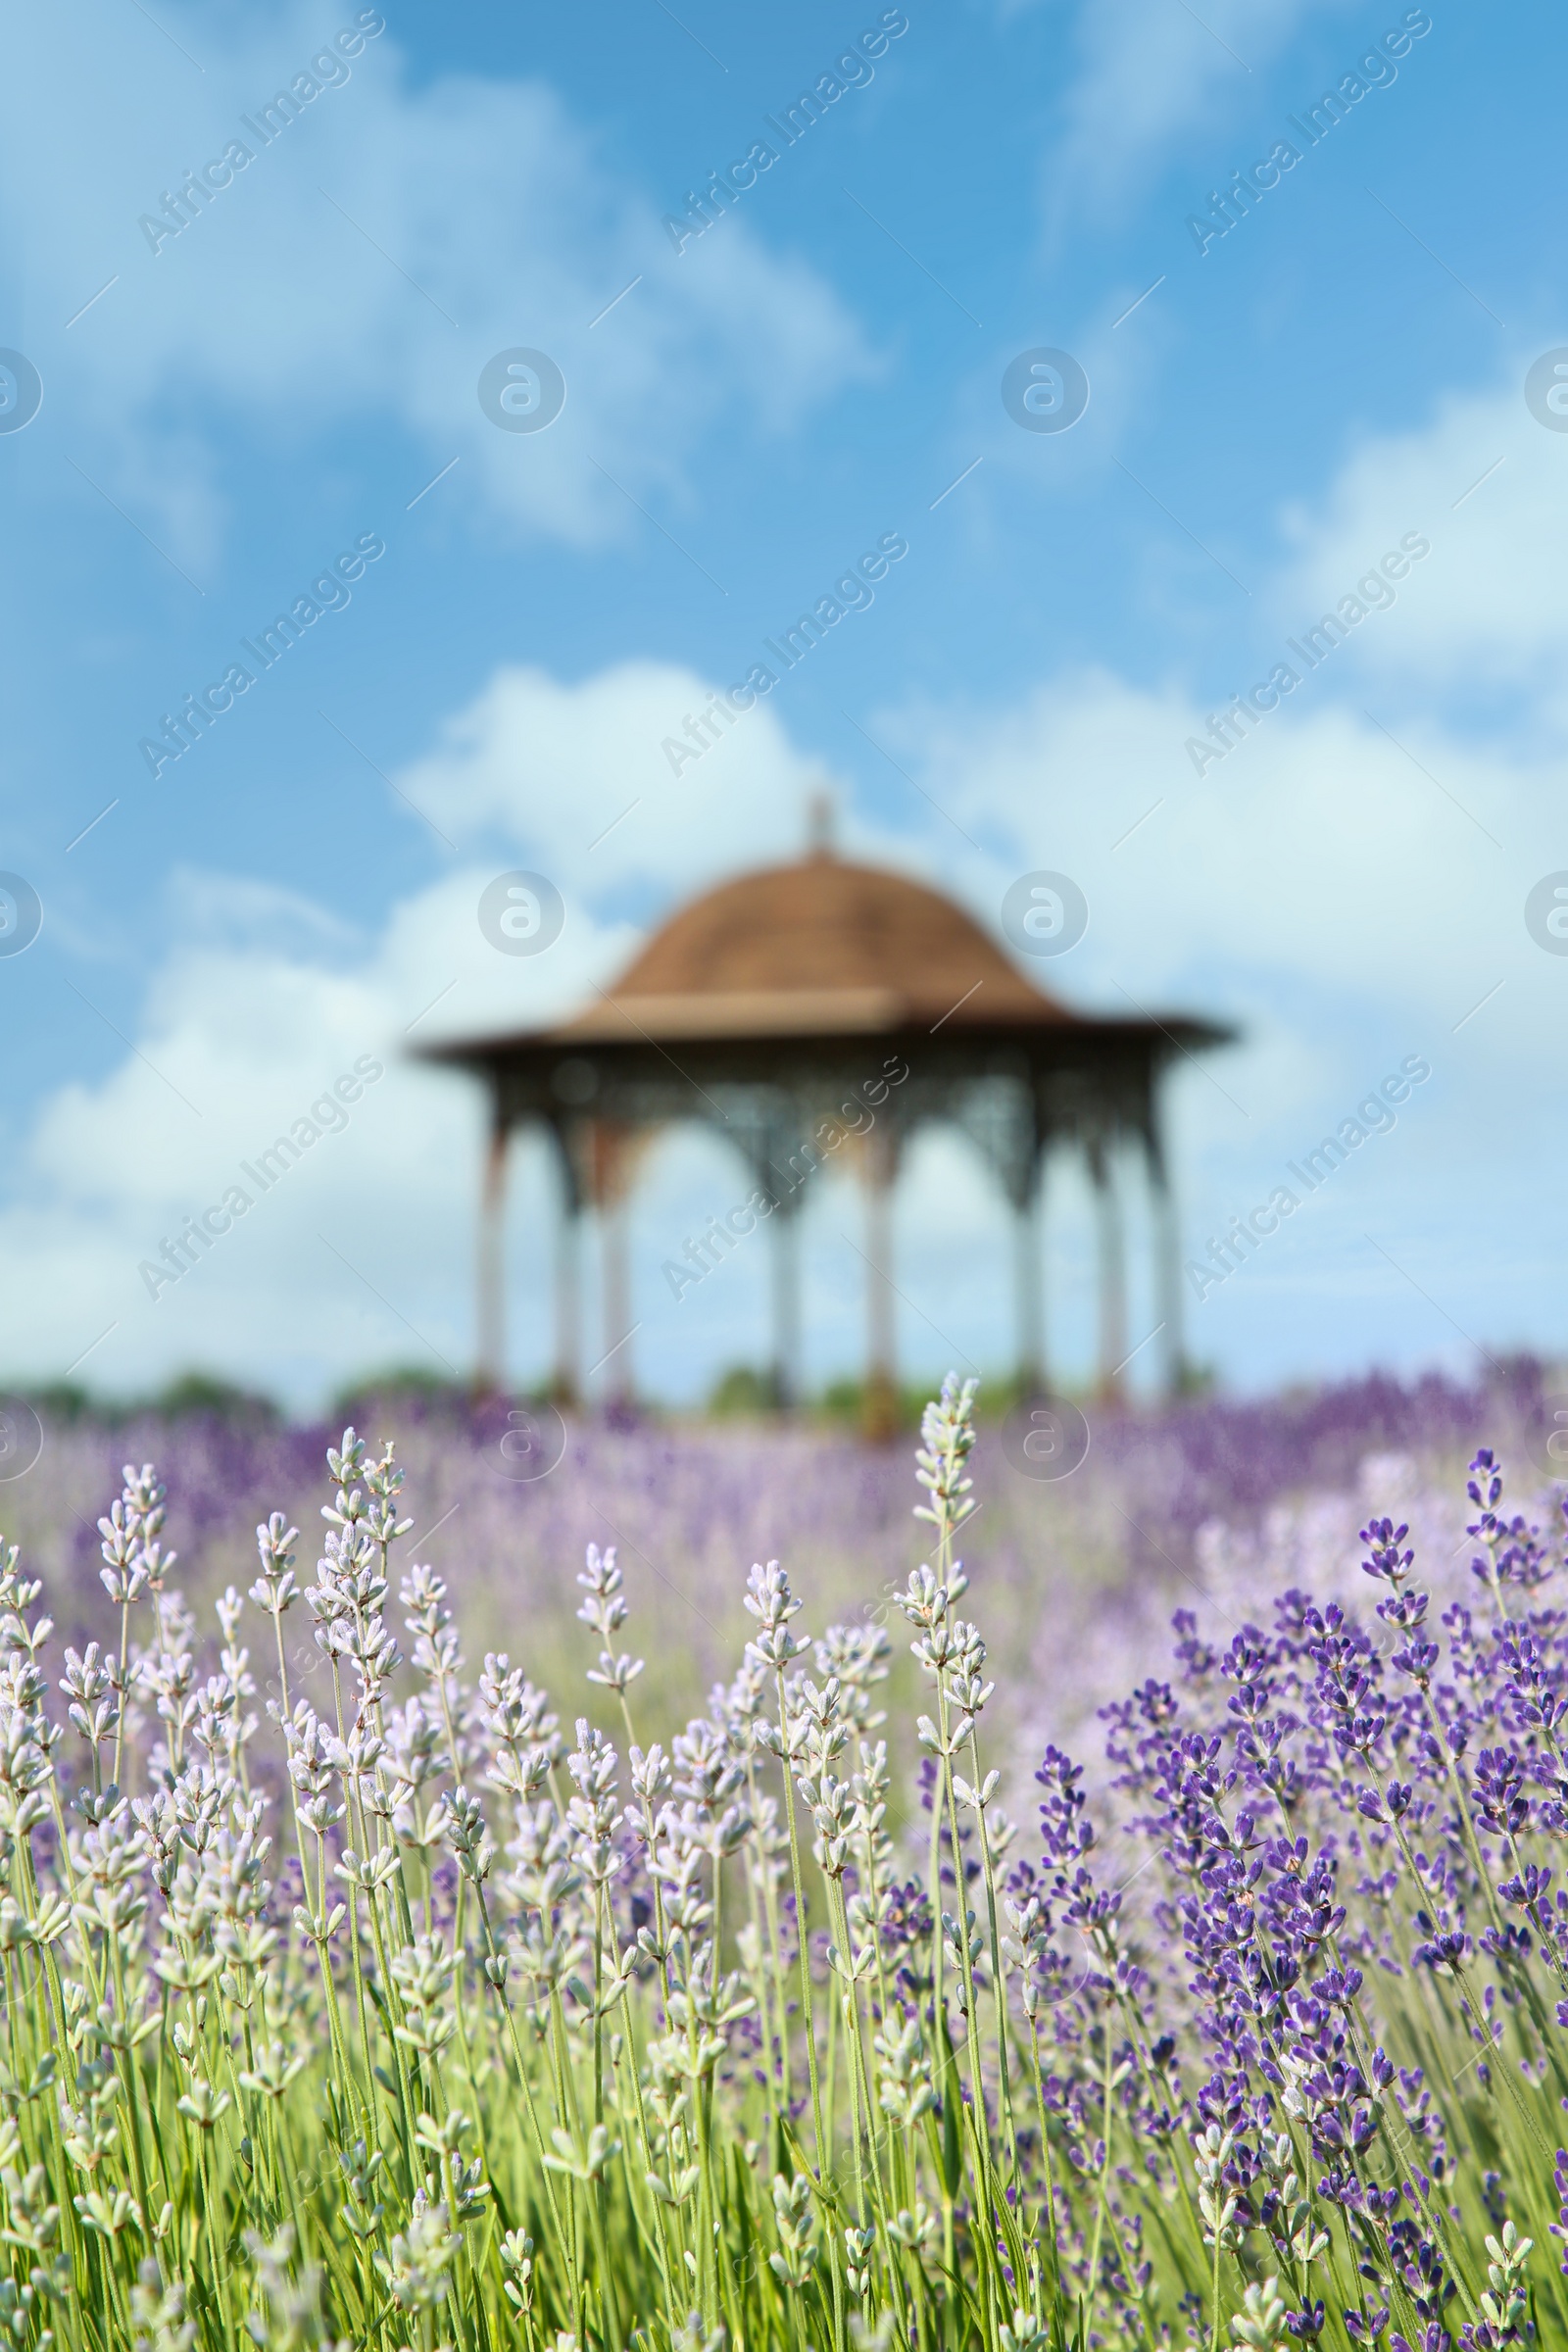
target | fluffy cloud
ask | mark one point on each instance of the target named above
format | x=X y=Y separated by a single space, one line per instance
x=1147 y=72
x=363 y=268
x=1484 y=482
x=358 y=1250
x=578 y=774
x=1265 y=863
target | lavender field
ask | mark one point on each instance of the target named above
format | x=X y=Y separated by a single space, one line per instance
x=1168 y=1955
x=1181 y=1509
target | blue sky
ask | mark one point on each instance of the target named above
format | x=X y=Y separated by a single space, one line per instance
x=285 y=378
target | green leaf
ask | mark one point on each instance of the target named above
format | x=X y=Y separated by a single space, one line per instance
x=952 y=2142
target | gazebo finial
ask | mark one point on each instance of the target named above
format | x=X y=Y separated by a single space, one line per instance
x=819 y=814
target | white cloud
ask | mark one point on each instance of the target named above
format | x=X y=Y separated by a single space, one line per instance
x=359 y=1250
x=362 y=269
x=1148 y=73
x=578 y=775
x=1262 y=864
x=1483 y=481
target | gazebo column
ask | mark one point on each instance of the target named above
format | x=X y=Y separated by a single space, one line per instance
x=616 y=1301
x=881 y=1409
x=1028 y=1282
x=1167 y=1259
x=566 y=1386
x=490 y=1320
x=785 y=1274
x=611 y=1153
x=566 y=1381
x=1112 y=1259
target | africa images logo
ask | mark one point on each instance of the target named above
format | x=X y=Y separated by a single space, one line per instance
x=1374 y=70
x=1373 y=593
x=1373 y=1115
x=328 y=70
x=181 y=730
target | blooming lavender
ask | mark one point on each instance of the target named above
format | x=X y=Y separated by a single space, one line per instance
x=350 y=1998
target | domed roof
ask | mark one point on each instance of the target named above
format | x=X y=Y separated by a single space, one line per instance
x=821 y=944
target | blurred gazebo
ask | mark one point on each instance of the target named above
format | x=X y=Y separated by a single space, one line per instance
x=779 y=1010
